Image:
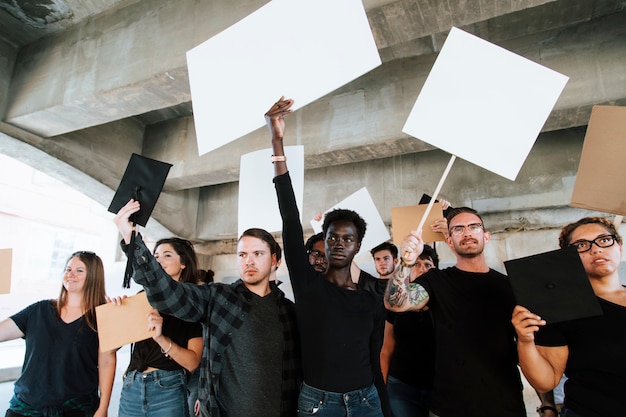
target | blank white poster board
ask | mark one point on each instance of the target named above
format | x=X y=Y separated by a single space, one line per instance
x=303 y=49
x=258 y=205
x=484 y=103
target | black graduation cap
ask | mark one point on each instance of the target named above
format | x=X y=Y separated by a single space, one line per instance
x=553 y=285
x=426 y=199
x=142 y=181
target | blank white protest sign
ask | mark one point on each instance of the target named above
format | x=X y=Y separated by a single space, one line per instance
x=258 y=205
x=303 y=49
x=484 y=103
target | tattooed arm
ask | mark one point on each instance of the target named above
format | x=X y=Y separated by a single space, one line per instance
x=401 y=293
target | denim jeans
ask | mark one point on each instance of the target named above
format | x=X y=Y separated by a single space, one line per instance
x=408 y=401
x=154 y=394
x=359 y=403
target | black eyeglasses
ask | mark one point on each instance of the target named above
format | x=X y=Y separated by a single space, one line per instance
x=459 y=230
x=84 y=252
x=604 y=241
x=317 y=255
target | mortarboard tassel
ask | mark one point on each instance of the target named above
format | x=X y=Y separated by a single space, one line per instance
x=128 y=274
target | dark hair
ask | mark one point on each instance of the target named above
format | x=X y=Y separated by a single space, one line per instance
x=205 y=276
x=94 y=293
x=386 y=246
x=266 y=237
x=346 y=215
x=566 y=231
x=318 y=237
x=185 y=250
x=458 y=210
x=430 y=253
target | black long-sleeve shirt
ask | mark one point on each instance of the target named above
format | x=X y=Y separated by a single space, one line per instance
x=339 y=328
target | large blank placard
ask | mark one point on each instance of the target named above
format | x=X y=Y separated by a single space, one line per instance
x=600 y=181
x=484 y=104
x=303 y=49
x=258 y=206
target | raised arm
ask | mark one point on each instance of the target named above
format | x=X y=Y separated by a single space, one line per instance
x=184 y=300
x=401 y=293
x=276 y=124
x=542 y=366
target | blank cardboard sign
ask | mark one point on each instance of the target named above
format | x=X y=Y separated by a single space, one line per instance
x=602 y=169
x=484 y=104
x=258 y=206
x=303 y=49
x=362 y=203
x=404 y=219
x=121 y=325
x=6 y=260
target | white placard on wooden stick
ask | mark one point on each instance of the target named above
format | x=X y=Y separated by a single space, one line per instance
x=484 y=103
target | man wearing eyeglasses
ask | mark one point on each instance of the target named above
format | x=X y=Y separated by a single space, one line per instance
x=317 y=252
x=476 y=363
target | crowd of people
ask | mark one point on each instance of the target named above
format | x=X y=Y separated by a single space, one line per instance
x=415 y=341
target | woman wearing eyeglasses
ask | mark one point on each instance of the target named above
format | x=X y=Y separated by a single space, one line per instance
x=590 y=351
x=155 y=382
x=63 y=368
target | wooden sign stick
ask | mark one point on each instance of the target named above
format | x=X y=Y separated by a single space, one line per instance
x=617 y=221
x=436 y=193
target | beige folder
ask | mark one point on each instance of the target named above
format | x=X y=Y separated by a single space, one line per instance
x=119 y=325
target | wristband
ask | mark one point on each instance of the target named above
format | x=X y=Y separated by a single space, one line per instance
x=279 y=158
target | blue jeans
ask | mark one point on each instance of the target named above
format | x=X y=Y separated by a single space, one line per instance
x=408 y=401
x=359 y=403
x=154 y=394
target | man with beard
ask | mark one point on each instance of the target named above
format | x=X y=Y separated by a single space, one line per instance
x=476 y=364
x=317 y=252
x=385 y=259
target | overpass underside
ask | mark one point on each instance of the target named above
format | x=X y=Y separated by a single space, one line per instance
x=88 y=83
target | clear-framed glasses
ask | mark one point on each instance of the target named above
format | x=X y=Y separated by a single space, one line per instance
x=317 y=255
x=472 y=227
x=604 y=241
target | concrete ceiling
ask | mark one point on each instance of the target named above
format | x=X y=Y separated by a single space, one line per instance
x=104 y=78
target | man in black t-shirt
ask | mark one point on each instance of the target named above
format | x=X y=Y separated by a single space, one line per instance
x=476 y=363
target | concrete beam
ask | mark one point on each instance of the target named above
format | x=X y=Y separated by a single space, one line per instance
x=120 y=64
x=8 y=54
x=544 y=182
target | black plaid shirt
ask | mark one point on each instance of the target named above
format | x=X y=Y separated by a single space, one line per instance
x=222 y=310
